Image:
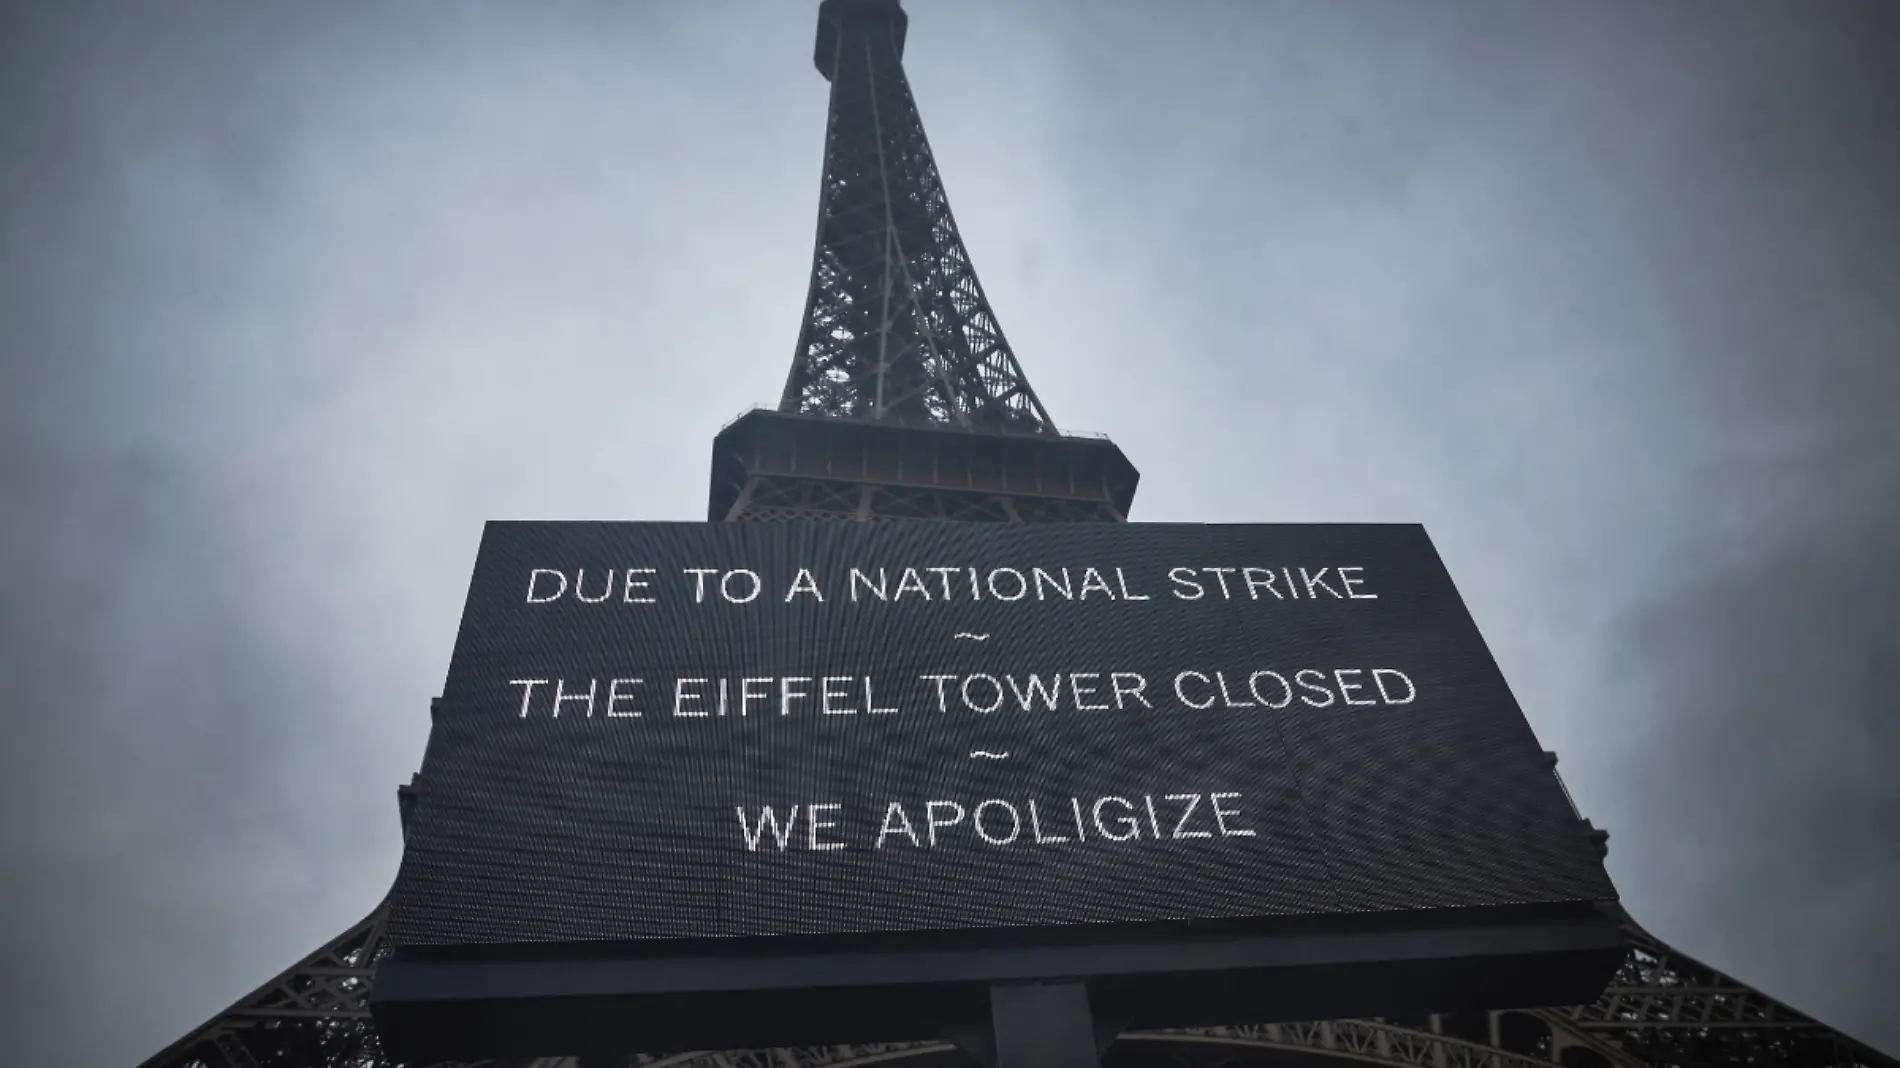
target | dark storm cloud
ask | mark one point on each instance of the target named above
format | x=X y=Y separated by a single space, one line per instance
x=292 y=298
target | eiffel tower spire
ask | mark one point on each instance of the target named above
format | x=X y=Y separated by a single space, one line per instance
x=904 y=400
x=896 y=326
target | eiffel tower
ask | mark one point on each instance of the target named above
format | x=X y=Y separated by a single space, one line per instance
x=905 y=401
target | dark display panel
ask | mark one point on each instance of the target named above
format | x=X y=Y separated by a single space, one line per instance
x=669 y=730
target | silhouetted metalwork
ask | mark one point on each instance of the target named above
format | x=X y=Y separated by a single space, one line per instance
x=904 y=400
x=1663 y=1009
x=896 y=326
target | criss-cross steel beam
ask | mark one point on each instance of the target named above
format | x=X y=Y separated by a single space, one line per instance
x=896 y=326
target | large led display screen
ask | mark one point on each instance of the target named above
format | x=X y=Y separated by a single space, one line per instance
x=682 y=730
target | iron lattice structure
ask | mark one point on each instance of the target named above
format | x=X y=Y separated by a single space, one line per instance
x=904 y=400
x=896 y=326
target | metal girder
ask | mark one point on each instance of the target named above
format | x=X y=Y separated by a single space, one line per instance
x=314 y=1013
x=1665 y=1007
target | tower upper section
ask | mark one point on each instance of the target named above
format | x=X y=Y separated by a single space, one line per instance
x=896 y=327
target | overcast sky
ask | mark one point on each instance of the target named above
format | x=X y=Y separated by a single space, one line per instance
x=293 y=297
